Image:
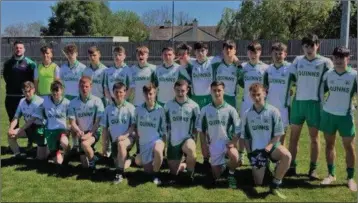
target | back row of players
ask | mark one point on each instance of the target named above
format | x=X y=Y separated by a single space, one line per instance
x=262 y=125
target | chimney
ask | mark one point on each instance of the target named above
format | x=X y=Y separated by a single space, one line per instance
x=195 y=30
x=167 y=23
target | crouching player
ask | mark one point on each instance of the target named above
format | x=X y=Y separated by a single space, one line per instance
x=181 y=115
x=151 y=128
x=54 y=109
x=85 y=113
x=118 y=122
x=262 y=128
x=215 y=121
x=33 y=127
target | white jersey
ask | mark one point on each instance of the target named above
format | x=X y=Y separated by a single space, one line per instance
x=201 y=76
x=85 y=113
x=182 y=119
x=309 y=77
x=250 y=74
x=55 y=114
x=228 y=74
x=118 y=119
x=261 y=127
x=217 y=122
x=70 y=76
x=117 y=74
x=141 y=76
x=28 y=108
x=341 y=88
x=165 y=77
x=279 y=81
x=150 y=124
x=97 y=76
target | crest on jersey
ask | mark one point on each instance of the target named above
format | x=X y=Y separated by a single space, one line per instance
x=331 y=82
x=174 y=112
x=266 y=120
x=319 y=66
x=348 y=82
x=301 y=66
x=154 y=119
x=186 y=112
x=252 y=121
x=141 y=117
x=211 y=116
x=233 y=73
x=283 y=74
x=223 y=118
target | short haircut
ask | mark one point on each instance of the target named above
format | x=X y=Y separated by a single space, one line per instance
x=28 y=85
x=256 y=87
x=119 y=49
x=180 y=83
x=254 y=46
x=85 y=79
x=167 y=49
x=18 y=42
x=56 y=85
x=142 y=50
x=217 y=83
x=70 y=49
x=44 y=49
x=93 y=49
x=341 y=52
x=310 y=39
x=279 y=46
x=119 y=85
x=229 y=43
x=200 y=45
x=147 y=88
x=184 y=47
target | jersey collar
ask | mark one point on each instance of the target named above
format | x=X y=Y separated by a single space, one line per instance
x=220 y=106
x=31 y=99
x=181 y=104
x=156 y=106
x=205 y=60
x=75 y=64
x=259 y=112
x=168 y=66
x=19 y=58
x=280 y=66
x=317 y=56
x=58 y=102
x=120 y=105
x=145 y=65
x=223 y=61
x=347 y=70
x=86 y=99
x=98 y=66
x=122 y=66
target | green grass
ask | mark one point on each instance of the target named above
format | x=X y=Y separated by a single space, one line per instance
x=29 y=181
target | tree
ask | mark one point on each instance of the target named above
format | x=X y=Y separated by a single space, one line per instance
x=157 y=17
x=182 y=17
x=23 y=30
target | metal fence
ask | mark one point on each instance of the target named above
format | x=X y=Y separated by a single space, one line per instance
x=155 y=47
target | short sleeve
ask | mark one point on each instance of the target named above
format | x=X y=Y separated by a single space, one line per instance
x=57 y=72
x=132 y=114
x=36 y=74
x=39 y=112
x=277 y=124
x=202 y=122
x=100 y=109
x=236 y=122
x=163 y=123
x=71 y=111
x=18 y=112
x=104 y=119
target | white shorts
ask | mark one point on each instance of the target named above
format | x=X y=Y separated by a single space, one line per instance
x=244 y=106
x=146 y=151
x=218 y=151
x=284 y=116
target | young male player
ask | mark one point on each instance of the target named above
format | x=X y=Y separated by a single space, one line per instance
x=33 y=128
x=181 y=115
x=337 y=114
x=306 y=105
x=151 y=128
x=278 y=81
x=118 y=123
x=85 y=112
x=261 y=128
x=220 y=122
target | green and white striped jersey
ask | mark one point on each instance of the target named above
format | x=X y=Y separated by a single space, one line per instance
x=261 y=127
x=309 y=75
x=54 y=114
x=97 y=75
x=28 y=108
x=217 y=122
x=228 y=74
x=341 y=88
x=114 y=74
x=118 y=119
x=181 y=120
x=141 y=76
x=279 y=81
x=85 y=112
x=150 y=124
x=71 y=76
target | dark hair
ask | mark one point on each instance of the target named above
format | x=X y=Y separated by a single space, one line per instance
x=70 y=49
x=56 y=85
x=184 y=47
x=44 y=49
x=85 y=79
x=180 y=83
x=254 y=46
x=279 y=46
x=200 y=45
x=93 y=49
x=18 y=42
x=256 y=86
x=119 y=85
x=310 y=39
x=28 y=85
x=147 y=88
x=217 y=83
x=167 y=49
x=341 y=52
x=119 y=49
x=229 y=43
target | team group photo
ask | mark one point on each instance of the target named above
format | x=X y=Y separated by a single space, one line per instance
x=196 y=117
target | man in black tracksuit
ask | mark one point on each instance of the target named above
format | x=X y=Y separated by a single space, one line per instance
x=17 y=70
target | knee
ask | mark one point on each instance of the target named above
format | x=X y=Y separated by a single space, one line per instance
x=286 y=157
x=233 y=154
x=121 y=146
x=329 y=146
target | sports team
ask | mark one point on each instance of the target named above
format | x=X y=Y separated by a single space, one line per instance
x=168 y=110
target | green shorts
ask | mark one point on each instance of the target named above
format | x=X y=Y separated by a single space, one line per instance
x=53 y=138
x=70 y=97
x=161 y=103
x=309 y=111
x=36 y=133
x=96 y=137
x=202 y=100
x=230 y=100
x=175 y=152
x=331 y=123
